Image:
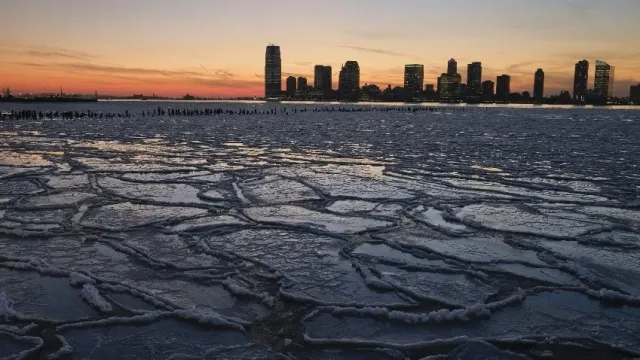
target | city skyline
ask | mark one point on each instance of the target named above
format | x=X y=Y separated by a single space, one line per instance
x=196 y=47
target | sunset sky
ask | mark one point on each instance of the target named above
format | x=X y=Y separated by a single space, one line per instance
x=216 y=47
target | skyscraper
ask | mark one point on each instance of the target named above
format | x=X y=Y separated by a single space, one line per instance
x=538 y=86
x=349 y=85
x=302 y=83
x=603 y=84
x=452 y=67
x=503 y=87
x=273 y=73
x=474 y=79
x=634 y=94
x=488 y=89
x=449 y=82
x=580 y=79
x=413 y=80
x=322 y=79
x=318 y=70
x=291 y=87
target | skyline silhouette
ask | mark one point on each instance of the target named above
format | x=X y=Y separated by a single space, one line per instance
x=218 y=49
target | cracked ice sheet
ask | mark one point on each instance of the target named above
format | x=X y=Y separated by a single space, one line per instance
x=104 y=262
x=558 y=313
x=299 y=216
x=106 y=166
x=157 y=340
x=348 y=186
x=44 y=297
x=170 y=249
x=10 y=346
x=18 y=187
x=549 y=275
x=207 y=222
x=311 y=261
x=65 y=199
x=274 y=190
x=179 y=194
x=630 y=216
x=549 y=195
x=383 y=251
x=454 y=289
x=128 y=215
x=40 y=216
x=67 y=181
x=524 y=221
x=617 y=266
x=472 y=249
x=582 y=186
x=356 y=206
x=435 y=218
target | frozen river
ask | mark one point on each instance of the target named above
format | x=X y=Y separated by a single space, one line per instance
x=316 y=234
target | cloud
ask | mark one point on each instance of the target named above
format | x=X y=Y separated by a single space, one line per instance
x=517 y=67
x=304 y=63
x=258 y=76
x=224 y=74
x=377 y=51
x=294 y=74
x=61 y=53
x=226 y=83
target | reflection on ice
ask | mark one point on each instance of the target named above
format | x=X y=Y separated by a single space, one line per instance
x=128 y=215
x=299 y=216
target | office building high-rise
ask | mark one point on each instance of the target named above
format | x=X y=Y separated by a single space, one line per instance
x=538 y=86
x=449 y=83
x=452 y=67
x=302 y=83
x=323 y=79
x=273 y=73
x=634 y=94
x=503 y=87
x=349 y=84
x=488 y=89
x=580 y=79
x=291 y=87
x=603 y=84
x=474 y=79
x=430 y=88
x=449 y=87
x=413 y=80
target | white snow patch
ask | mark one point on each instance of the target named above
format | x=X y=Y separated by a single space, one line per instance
x=92 y=296
x=76 y=279
x=6 y=307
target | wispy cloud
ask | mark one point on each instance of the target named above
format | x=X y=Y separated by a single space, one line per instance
x=377 y=51
x=295 y=74
x=304 y=63
x=55 y=54
x=224 y=74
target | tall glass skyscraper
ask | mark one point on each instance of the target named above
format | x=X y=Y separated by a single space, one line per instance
x=413 y=80
x=503 y=87
x=349 y=84
x=603 y=84
x=474 y=79
x=273 y=73
x=580 y=79
x=538 y=86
